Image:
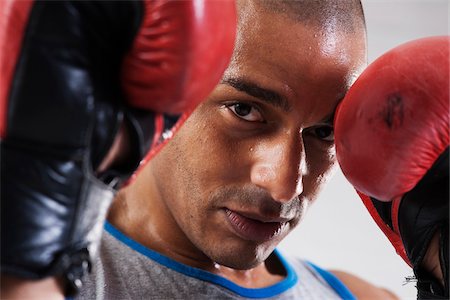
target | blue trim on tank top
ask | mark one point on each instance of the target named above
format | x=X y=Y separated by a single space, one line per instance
x=273 y=290
x=334 y=282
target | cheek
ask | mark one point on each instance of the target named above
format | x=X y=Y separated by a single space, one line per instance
x=217 y=154
x=200 y=157
x=322 y=164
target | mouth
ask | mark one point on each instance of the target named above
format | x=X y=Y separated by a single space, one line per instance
x=254 y=227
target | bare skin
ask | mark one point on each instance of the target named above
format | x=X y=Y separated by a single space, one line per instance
x=431 y=261
x=362 y=289
x=260 y=147
x=18 y=288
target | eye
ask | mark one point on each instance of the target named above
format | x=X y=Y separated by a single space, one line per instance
x=323 y=132
x=246 y=112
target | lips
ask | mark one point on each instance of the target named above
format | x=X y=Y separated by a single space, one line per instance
x=252 y=229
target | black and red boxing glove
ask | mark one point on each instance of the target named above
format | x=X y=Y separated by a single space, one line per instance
x=77 y=78
x=392 y=140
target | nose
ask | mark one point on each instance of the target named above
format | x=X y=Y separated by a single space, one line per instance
x=279 y=166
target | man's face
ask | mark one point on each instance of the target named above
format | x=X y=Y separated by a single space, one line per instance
x=240 y=173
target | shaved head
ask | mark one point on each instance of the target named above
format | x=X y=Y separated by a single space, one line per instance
x=348 y=15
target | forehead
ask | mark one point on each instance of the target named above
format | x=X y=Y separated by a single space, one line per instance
x=301 y=60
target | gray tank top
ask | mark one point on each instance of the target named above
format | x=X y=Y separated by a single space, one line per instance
x=126 y=269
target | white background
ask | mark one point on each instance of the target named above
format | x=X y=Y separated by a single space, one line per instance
x=338 y=232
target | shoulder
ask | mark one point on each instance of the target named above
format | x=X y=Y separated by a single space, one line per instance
x=316 y=282
x=361 y=288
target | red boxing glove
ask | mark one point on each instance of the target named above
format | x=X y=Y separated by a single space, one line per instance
x=179 y=53
x=73 y=73
x=392 y=139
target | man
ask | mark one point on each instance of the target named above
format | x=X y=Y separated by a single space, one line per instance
x=203 y=217
x=81 y=84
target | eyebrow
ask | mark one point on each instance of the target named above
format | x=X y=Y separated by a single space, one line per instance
x=264 y=94
x=329 y=119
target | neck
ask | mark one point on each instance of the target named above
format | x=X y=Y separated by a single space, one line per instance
x=148 y=222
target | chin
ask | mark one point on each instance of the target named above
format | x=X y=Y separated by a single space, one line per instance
x=244 y=257
x=239 y=263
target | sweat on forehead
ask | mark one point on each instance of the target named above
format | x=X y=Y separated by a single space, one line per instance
x=345 y=15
